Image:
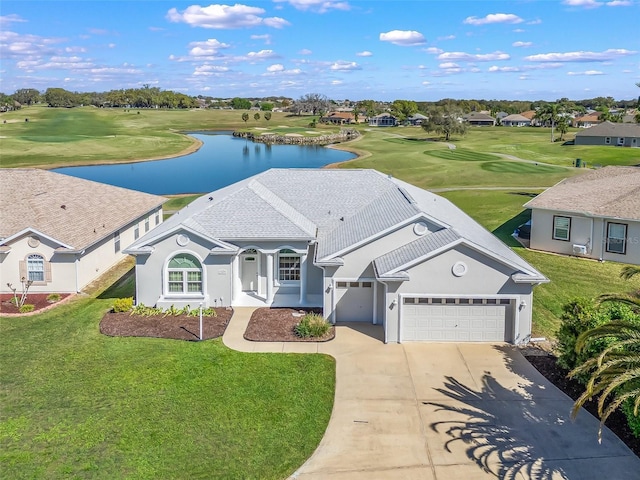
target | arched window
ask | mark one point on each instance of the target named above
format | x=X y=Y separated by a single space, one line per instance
x=288 y=266
x=35 y=268
x=184 y=274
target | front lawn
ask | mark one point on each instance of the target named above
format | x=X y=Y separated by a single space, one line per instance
x=77 y=404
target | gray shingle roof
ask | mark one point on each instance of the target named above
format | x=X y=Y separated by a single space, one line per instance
x=71 y=210
x=345 y=207
x=411 y=251
x=609 y=129
x=515 y=117
x=609 y=192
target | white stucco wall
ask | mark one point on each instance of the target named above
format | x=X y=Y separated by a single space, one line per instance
x=585 y=230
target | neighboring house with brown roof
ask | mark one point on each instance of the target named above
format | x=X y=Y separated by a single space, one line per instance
x=479 y=119
x=594 y=215
x=587 y=120
x=340 y=118
x=608 y=133
x=63 y=232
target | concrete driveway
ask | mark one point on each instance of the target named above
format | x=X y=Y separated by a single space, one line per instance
x=453 y=411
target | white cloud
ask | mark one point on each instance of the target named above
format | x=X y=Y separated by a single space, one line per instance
x=276 y=67
x=447 y=37
x=494 y=18
x=426 y=83
x=434 y=50
x=320 y=6
x=447 y=65
x=20 y=46
x=587 y=72
x=112 y=45
x=262 y=54
x=266 y=38
x=336 y=82
x=619 y=3
x=582 y=3
x=343 y=66
x=209 y=70
x=224 y=17
x=75 y=49
x=365 y=53
x=208 y=48
x=470 y=57
x=518 y=30
x=581 y=56
x=305 y=51
x=11 y=18
x=495 y=68
x=404 y=38
x=535 y=22
x=522 y=44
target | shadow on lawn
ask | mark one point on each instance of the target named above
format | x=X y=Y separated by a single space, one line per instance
x=504 y=231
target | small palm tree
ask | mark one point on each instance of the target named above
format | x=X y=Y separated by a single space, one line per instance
x=615 y=373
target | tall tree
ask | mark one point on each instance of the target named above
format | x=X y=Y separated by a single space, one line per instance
x=549 y=113
x=27 y=96
x=445 y=121
x=403 y=109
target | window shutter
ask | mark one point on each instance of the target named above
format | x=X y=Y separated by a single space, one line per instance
x=23 y=270
x=47 y=272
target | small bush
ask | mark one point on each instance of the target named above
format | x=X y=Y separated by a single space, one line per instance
x=53 y=297
x=312 y=325
x=632 y=420
x=14 y=301
x=123 y=304
x=27 y=307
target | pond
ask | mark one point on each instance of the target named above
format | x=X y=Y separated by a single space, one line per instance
x=221 y=161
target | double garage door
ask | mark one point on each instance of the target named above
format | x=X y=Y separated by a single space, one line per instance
x=455 y=319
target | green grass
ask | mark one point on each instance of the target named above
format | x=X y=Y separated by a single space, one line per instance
x=77 y=404
x=462 y=155
x=501 y=212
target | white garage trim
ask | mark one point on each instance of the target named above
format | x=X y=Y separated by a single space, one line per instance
x=514 y=301
x=334 y=286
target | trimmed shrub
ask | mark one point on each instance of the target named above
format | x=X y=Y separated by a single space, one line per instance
x=53 y=297
x=312 y=325
x=632 y=420
x=123 y=304
x=27 y=307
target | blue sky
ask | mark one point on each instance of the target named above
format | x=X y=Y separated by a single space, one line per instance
x=382 y=50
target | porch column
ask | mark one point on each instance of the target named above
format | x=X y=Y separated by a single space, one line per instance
x=303 y=279
x=236 y=285
x=269 y=278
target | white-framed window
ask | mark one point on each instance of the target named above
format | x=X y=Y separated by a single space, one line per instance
x=184 y=275
x=116 y=242
x=157 y=217
x=617 y=238
x=620 y=141
x=35 y=268
x=607 y=140
x=146 y=225
x=288 y=266
x=561 y=228
x=136 y=231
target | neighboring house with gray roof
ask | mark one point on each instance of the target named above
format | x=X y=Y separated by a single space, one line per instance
x=593 y=215
x=63 y=232
x=383 y=120
x=609 y=133
x=363 y=246
x=479 y=119
x=515 y=120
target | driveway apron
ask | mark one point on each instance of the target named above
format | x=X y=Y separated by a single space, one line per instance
x=447 y=411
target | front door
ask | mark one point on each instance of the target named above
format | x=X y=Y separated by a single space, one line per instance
x=249 y=271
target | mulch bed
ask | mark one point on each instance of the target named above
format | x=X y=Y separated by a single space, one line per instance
x=38 y=300
x=178 y=327
x=277 y=325
x=617 y=422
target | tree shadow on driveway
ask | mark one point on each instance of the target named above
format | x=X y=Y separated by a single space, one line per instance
x=522 y=429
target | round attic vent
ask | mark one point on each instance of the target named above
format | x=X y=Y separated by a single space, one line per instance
x=459 y=269
x=182 y=240
x=33 y=242
x=420 y=228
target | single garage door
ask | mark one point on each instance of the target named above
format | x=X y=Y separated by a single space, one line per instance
x=455 y=319
x=354 y=301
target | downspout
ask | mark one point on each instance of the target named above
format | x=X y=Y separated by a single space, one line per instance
x=603 y=242
x=77 y=263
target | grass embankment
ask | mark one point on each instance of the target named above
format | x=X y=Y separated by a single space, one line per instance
x=77 y=404
x=56 y=137
x=501 y=212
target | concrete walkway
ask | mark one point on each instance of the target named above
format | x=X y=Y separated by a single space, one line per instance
x=445 y=411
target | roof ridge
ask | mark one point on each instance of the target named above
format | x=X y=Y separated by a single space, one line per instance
x=283 y=207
